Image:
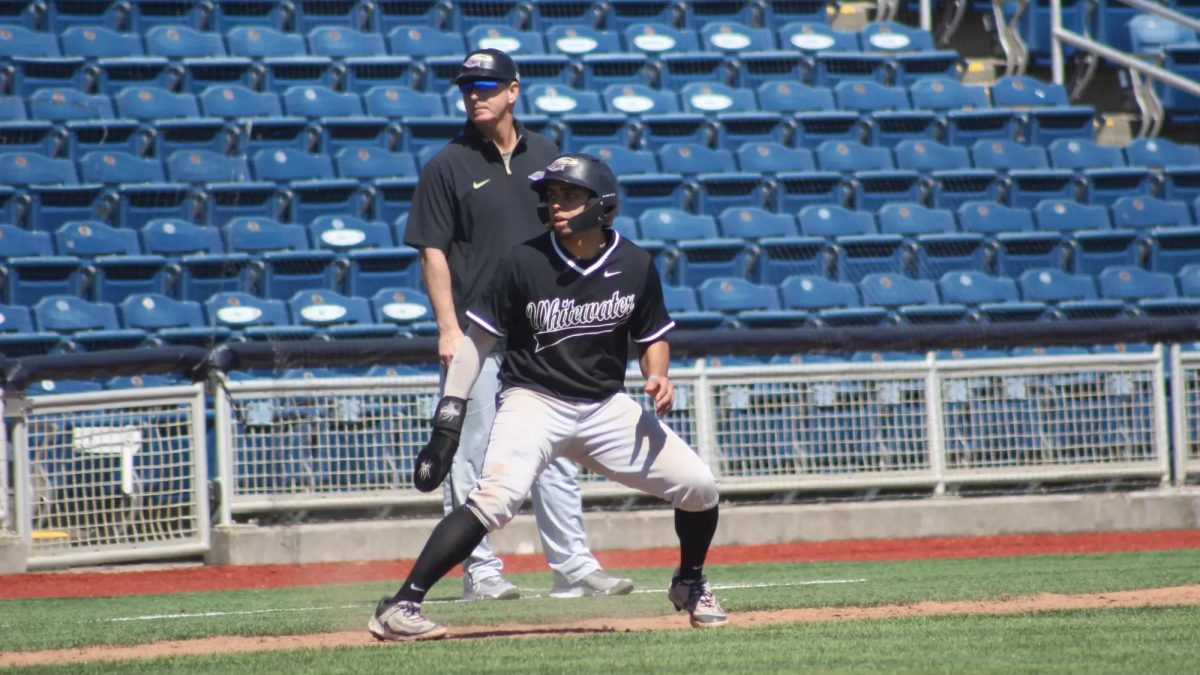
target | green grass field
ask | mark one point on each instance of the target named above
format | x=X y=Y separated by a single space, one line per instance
x=1116 y=640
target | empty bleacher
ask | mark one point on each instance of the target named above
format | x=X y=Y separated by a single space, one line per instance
x=191 y=172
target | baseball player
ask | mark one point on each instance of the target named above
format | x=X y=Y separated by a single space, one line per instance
x=567 y=301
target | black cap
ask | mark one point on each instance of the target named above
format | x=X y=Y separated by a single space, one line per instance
x=487 y=64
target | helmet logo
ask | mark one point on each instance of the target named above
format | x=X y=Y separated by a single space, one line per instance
x=478 y=61
x=562 y=164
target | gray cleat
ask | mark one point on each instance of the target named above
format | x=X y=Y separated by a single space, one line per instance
x=697 y=598
x=400 y=621
x=598 y=582
x=492 y=588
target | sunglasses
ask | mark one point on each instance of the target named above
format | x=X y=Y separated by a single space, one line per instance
x=481 y=85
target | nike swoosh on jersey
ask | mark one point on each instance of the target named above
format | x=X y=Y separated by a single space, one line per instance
x=611 y=273
x=480 y=183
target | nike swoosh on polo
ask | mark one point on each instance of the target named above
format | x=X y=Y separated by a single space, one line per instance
x=480 y=183
x=611 y=273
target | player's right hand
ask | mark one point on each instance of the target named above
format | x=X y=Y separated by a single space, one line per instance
x=662 y=392
x=447 y=345
x=435 y=459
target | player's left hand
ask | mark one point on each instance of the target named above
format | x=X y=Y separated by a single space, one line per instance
x=662 y=392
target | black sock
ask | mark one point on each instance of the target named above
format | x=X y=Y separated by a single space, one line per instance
x=451 y=542
x=695 y=530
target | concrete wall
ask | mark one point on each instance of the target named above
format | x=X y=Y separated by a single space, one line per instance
x=12 y=554
x=740 y=525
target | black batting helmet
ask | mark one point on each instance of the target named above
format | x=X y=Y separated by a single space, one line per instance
x=590 y=173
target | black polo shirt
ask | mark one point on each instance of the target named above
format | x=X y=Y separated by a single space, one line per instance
x=470 y=206
x=568 y=322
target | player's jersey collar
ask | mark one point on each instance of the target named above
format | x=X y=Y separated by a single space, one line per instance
x=574 y=264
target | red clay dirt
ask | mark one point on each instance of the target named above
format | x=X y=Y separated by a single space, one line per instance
x=1155 y=597
x=116 y=582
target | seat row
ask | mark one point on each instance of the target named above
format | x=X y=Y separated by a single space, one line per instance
x=68 y=323
x=383 y=15
x=957 y=297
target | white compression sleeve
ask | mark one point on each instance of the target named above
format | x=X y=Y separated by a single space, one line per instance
x=472 y=349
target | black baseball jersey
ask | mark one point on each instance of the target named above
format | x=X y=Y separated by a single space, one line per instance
x=568 y=322
x=471 y=206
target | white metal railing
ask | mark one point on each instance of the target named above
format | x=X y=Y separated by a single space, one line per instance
x=1185 y=403
x=110 y=476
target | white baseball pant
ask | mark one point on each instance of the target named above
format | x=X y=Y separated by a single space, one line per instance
x=613 y=437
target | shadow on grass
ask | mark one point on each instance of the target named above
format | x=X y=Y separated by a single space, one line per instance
x=528 y=632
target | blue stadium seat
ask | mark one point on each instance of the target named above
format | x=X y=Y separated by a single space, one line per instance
x=814 y=37
x=647 y=191
x=912 y=301
x=734 y=37
x=829 y=303
x=173 y=322
x=624 y=13
x=943 y=94
x=288 y=164
x=177 y=41
x=420 y=41
x=259 y=235
x=1095 y=245
x=253 y=318
x=924 y=156
x=1006 y=155
x=657 y=130
x=849 y=156
x=856 y=256
x=201 y=73
x=467 y=15
x=371 y=270
x=112 y=167
x=314 y=101
x=780 y=11
x=710 y=98
x=264 y=133
x=873 y=190
x=829 y=221
x=992 y=299
x=869 y=96
x=771 y=66
x=191 y=134
x=362 y=73
x=1078 y=155
x=147 y=14
x=356 y=132
x=781 y=257
x=21 y=41
x=84 y=136
x=34 y=272
x=586 y=129
x=1157 y=153
x=1183 y=60
x=793 y=97
x=253 y=13
x=394 y=102
x=1067 y=216
x=655 y=38
x=227 y=201
x=423 y=132
x=1043 y=126
x=152 y=103
x=1181 y=183
x=309 y=14
x=346 y=233
x=13 y=108
x=672 y=225
x=393 y=197
x=547 y=15
x=680 y=68
x=938 y=246
x=1027 y=187
x=1143 y=212
x=579 y=39
x=1017 y=252
x=733 y=297
x=206 y=166
x=288 y=264
x=1022 y=91
x=604 y=70
x=89 y=326
x=62 y=17
x=1171 y=249
x=508 y=39
x=393 y=14
x=891 y=127
x=771 y=157
x=794 y=190
x=754 y=223
x=913 y=67
x=1189 y=280
x=888 y=36
x=282 y=72
x=366 y=163
x=174 y=239
x=21 y=243
x=623 y=160
x=232 y=101
x=339 y=42
x=968 y=126
x=690 y=159
x=203 y=274
x=27 y=74
x=18 y=337
x=401 y=306
x=1149 y=34
x=949 y=189
x=1151 y=293
x=49 y=206
x=1071 y=296
x=833 y=67
x=26 y=168
x=119 y=73
x=681 y=304
x=556 y=100
x=337 y=316
x=259 y=42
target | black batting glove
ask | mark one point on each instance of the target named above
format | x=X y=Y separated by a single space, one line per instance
x=434 y=460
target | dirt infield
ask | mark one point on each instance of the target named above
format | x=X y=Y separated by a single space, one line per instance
x=117 y=582
x=1155 y=597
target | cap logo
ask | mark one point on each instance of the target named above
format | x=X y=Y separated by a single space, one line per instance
x=561 y=164
x=479 y=61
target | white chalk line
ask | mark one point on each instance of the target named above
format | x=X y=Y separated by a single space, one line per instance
x=252 y=612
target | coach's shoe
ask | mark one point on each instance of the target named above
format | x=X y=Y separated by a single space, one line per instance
x=401 y=621
x=697 y=598
x=598 y=582
x=491 y=588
